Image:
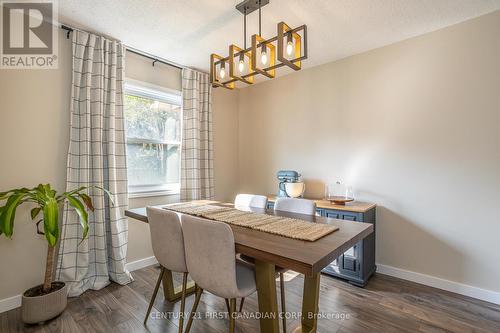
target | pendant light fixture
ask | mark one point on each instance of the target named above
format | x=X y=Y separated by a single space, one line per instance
x=264 y=56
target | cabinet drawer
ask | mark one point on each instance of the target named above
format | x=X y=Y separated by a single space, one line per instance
x=349 y=217
x=331 y=214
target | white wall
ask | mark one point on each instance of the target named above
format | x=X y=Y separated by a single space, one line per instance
x=34 y=136
x=414 y=127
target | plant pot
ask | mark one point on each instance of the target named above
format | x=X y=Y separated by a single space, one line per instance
x=37 y=307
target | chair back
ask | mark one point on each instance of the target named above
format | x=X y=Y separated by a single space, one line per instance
x=251 y=200
x=294 y=205
x=210 y=255
x=166 y=239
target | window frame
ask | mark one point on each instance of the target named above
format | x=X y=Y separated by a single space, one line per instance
x=151 y=91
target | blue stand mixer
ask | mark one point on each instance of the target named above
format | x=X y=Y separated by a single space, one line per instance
x=286 y=176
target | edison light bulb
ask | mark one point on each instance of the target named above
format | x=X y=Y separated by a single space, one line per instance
x=222 y=72
x=263 y=58
x=241 y=66
x=289 y=48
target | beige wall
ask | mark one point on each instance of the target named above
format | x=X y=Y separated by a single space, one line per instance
x=34 y=135
x=414 y=127
x=142 y=69
x=225 y=127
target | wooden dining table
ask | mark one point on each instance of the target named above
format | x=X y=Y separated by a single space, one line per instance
x=270 y=251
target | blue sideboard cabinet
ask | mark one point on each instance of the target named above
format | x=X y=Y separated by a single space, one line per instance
x=357 y=264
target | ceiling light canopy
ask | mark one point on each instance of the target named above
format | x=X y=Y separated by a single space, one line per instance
x=264 y=56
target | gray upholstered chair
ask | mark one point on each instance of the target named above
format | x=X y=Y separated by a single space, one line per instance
x=250 y=200
x=294 y=205
x=211 y=261
x=168 y=248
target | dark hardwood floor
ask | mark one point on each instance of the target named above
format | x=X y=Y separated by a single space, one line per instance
x=386 y=305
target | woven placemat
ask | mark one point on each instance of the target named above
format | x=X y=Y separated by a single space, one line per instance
x=278 y=225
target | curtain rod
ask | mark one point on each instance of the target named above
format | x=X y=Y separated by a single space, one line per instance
x=135 y=51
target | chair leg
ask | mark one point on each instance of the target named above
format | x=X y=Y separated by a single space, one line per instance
x=199 y=291
x=283 y=309
x=155 y=292
x=183 y=301
x=227 y=305
x=232 y=314
x=241 y=304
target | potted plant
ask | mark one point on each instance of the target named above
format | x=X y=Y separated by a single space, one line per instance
x=49 y=299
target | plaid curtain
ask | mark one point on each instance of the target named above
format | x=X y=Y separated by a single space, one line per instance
x=197 y=166
x=96 y=157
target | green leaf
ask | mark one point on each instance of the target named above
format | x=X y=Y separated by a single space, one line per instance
x=39 y=188
x=87 y=200
x=80 y=210
x=110 y=195
x=66 y=194
x=35 y=211
x=51 y=221
x=49 y=192
x=4 y=195
x=1 y=209
x=9 y=213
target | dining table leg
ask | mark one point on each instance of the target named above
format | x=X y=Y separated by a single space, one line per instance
x=265 y=278
x=172 y=293
x=310 y=304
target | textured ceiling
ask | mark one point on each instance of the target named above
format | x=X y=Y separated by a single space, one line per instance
x=187 y=31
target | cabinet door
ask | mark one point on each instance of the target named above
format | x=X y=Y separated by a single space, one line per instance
x=350 y=261
x=349 y=264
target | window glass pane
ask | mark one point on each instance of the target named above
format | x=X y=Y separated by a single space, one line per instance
x=152 y=120
x=152 y=164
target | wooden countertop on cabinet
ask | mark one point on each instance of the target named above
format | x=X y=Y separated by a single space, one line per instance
x=355 y=206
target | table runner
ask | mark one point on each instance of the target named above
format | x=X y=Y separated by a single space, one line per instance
x=278 y=225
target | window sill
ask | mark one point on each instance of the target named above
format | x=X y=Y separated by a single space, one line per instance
x=135 y=195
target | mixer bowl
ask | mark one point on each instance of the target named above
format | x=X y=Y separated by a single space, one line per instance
x=295 y=190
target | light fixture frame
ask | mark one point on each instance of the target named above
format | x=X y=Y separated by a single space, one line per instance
x=235 y=51
x=275 y=45
x=214 y=59
x=257 y=42
x=283 y=30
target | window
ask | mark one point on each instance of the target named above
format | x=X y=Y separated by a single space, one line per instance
x=153 y=130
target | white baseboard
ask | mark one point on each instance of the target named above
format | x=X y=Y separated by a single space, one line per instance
x=432 y=281
x=141 y=263
x=10 y=303
x=13 y=302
